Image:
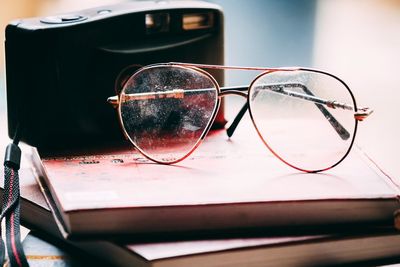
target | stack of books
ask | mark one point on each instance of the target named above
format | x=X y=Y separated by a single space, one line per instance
x=229 y=204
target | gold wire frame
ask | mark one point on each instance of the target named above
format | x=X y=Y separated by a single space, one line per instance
x=359 y=113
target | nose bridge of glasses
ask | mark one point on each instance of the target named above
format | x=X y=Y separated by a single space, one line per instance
x=234 y=90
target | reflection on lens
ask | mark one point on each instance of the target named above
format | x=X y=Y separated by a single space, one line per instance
x=306 y=118
x=165 y=110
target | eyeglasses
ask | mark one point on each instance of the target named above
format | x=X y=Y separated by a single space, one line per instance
x=307 y=118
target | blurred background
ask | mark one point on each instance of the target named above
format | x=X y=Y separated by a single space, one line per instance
x=358 y=41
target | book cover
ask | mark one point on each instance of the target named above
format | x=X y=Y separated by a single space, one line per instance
x=226 y=184
x=223 y=250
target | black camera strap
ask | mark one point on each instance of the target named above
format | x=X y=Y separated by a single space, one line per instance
x=11 y=207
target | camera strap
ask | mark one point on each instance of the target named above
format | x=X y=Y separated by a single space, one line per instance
x=11 y=208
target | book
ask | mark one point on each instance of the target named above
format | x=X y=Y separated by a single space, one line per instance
x=377 y=244
x=227 y=184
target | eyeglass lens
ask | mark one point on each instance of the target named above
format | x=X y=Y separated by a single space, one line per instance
x=166 y=110
x=287 y=110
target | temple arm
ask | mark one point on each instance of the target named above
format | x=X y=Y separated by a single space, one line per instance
x=175 y=93
x=280 y=88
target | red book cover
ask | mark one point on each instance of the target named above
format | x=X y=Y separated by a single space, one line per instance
x=225 y=184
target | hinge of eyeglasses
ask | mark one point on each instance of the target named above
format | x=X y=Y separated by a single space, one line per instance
x=362 y=113
x=113 y=101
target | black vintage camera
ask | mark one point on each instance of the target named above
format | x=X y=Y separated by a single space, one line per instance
x=61 y=69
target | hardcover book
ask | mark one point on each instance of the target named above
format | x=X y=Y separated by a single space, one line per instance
x=226 y=184
x=262 y=249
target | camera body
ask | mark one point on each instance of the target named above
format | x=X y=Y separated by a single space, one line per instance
x=61 y=69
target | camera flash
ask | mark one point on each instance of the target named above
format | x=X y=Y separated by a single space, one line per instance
x=198 y=21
